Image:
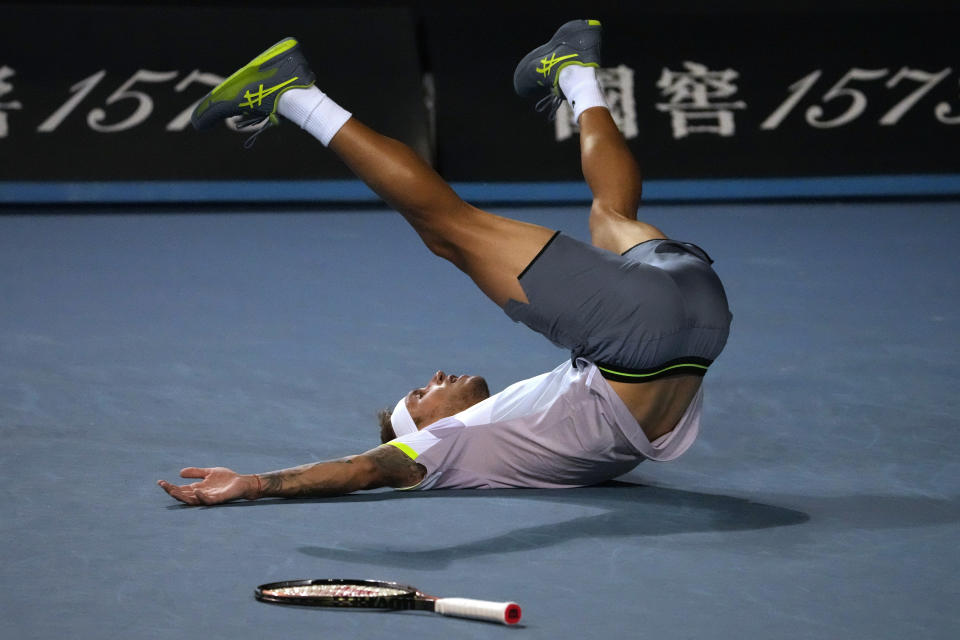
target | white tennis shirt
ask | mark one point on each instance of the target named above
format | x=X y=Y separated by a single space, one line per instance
x=564 y=428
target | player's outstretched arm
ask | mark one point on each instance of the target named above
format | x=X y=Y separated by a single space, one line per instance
x=385 y=466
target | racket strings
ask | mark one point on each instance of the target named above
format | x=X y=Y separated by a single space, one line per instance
x=335 y=591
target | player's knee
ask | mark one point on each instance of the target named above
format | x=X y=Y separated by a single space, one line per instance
x=602 y=212
x=441 y=246
x=613 y=230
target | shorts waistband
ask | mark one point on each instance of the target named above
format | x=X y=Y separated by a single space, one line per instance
x=677 y=367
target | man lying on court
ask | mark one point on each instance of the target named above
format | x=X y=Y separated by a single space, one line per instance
x=643 y=315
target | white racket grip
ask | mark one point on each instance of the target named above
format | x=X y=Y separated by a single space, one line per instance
x=503 y=612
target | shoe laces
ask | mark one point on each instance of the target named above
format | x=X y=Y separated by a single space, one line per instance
x=251 y=121
x=549 y=105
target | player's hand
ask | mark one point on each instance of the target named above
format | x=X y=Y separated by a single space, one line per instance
x=217 y=485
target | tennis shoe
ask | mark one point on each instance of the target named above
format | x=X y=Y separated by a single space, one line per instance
x=254 y=90
x=576 y=42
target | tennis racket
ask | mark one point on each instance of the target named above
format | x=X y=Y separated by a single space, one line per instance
x=375 y=594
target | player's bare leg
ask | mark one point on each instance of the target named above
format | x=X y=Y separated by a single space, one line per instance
x=566 y=68
x=614 y=179
x=491 y=249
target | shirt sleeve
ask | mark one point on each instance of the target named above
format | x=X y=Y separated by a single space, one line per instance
x=428 y=447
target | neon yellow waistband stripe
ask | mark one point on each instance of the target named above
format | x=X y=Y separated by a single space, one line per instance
x=655 y=373
x=405 y=448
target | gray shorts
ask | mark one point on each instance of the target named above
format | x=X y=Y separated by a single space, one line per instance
x=657 y=310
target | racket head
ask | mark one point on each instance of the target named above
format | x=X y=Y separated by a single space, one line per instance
x=340 y=592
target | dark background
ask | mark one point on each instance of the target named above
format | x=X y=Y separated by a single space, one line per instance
x=372 y=58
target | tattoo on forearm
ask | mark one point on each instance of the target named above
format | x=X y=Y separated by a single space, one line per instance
x=384 y=466
x=271 y=484
x=294 y=483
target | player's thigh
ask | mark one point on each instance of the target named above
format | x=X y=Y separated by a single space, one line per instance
x=494 y=251
x=612 y=231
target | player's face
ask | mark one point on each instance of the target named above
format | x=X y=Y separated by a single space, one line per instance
x=443 y=396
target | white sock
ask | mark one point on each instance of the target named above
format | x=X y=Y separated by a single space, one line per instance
x=581 y=88
x=314 y=111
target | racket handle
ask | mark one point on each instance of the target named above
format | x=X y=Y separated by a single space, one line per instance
x=503 y=612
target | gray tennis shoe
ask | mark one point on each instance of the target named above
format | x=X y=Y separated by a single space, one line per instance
x=254 y=90
x=576 y=42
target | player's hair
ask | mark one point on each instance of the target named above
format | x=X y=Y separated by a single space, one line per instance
x=386 y=427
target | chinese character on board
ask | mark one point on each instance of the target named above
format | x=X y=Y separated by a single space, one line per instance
x=617 y=85
x=699 y=100
x=6 y=87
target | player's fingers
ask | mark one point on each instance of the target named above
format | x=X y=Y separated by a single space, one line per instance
x=166 y=486
x=183 y=494
x=194 y=472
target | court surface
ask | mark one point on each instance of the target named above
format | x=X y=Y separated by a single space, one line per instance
x=822 y=499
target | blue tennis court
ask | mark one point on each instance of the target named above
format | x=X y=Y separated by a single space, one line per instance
x=822 y=499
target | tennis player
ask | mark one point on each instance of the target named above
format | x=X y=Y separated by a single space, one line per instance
x=644 y=316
